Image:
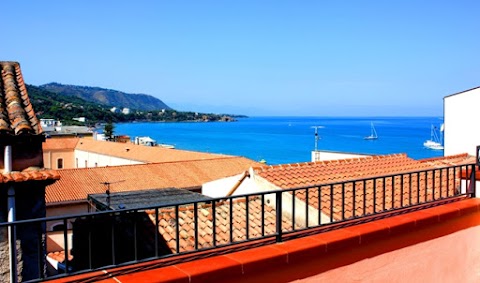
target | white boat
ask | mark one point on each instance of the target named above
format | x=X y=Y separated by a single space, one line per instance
x=373 y=135
x=435 y=142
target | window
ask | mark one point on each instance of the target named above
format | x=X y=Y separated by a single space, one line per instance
x=60 y=163
x=76 y=162
x=86 y=163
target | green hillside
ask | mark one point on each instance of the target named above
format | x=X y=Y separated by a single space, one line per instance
x=108 y=97
x=52 y=105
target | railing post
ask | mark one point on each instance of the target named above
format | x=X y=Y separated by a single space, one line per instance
x=473 y=181
x=65 y=243
x=278 y=206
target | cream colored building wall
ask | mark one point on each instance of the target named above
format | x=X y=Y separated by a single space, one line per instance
x=84 y=159
x=50 y=159
x=332 y=155
x=64 y=210
x=460 y=117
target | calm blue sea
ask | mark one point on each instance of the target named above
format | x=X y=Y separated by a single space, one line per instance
x=291 y=139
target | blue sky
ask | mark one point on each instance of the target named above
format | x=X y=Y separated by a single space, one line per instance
x=295 y=58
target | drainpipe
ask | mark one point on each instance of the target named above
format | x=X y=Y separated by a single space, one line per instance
x=12 y=237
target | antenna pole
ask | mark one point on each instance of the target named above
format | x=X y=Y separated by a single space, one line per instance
x=316 y=137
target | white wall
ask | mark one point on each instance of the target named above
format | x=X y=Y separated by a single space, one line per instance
x=99 y=160
x=461 y=113
x=256 y=184
x=332 y=155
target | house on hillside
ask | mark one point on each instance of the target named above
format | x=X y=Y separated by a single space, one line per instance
x=50 y=125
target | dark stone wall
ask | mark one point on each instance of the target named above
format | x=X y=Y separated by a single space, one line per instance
x=24 y=155
x=30 y=203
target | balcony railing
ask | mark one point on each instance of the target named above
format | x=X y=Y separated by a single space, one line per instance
x=108 y=239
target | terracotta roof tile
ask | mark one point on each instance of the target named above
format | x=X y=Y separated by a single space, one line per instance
x=382 y=194
x=76 y=184
x=312 y=173
x=29 y=175
x=59 y=256
x=16 y=113
x=458 y=159
x=185 y=221
x=60 y=143
x=142 y=153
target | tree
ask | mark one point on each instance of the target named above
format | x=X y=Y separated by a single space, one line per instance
x=108 y=131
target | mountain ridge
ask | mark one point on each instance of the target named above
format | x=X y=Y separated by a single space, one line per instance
x=108 y=97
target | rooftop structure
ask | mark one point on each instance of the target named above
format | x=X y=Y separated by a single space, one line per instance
x=146 y=198
x=77 y=184
x=83 y=152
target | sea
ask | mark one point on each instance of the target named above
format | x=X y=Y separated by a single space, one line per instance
x=280 y=140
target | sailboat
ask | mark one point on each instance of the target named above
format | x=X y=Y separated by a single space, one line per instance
x=434 y=142
x=373 y=135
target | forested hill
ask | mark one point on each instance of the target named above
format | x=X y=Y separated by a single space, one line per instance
x=108 y=97
x=66 y=107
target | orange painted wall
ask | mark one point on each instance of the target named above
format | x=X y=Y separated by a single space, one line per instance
x=437 y=244
x=451 y=258
x=50 y=158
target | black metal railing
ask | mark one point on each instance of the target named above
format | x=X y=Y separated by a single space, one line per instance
x=116 y=238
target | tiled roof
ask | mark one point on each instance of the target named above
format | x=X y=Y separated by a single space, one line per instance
x=16 y=112
x=379 y=195
x=168 y=221
x=458 y=159
x=59 y=256
x=312 y=173
x=383 y=195
x=29 y=175
x=142 y=153
x=60 y=144
x=76 y=184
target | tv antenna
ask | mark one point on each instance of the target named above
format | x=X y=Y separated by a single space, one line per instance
x=317 y=137
x=107 y=189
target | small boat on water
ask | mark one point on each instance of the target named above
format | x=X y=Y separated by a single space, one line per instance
x=435 y=141
x=373 y=135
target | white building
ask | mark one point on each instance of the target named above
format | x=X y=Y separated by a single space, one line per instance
x=461 y=114
x=50 y=125
x=126 y=111
x=80 y=119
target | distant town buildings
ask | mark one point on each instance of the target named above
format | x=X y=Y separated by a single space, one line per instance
x=50 y=125
x=125 y=110
x=80 y=119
